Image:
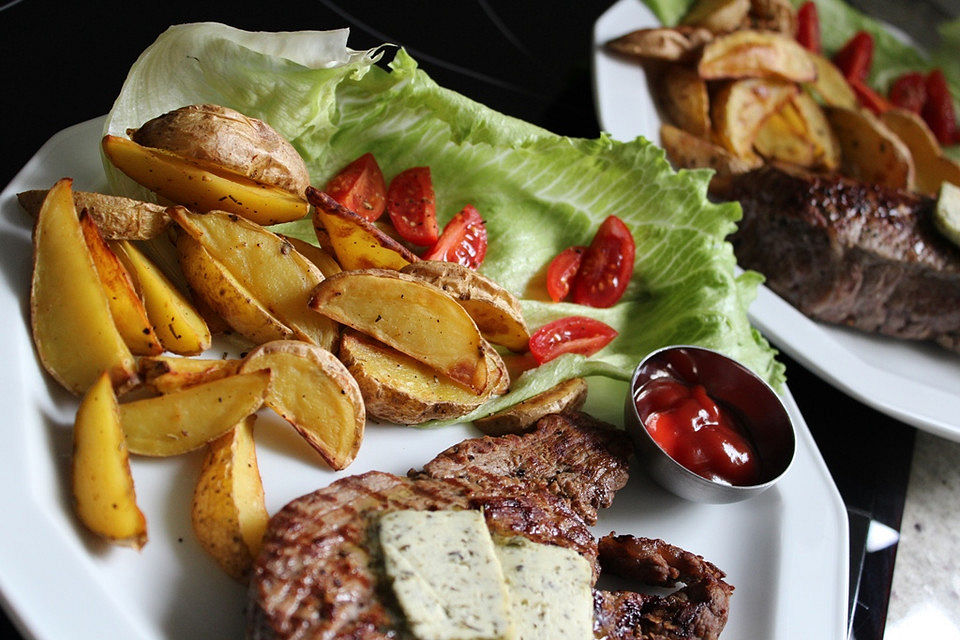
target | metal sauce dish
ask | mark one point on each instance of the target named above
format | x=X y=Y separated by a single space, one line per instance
x=756 y=405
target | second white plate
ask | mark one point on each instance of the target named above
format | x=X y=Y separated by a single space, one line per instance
x=913 y=382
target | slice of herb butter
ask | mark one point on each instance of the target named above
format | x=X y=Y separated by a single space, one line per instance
x=446 y=575
x=947 y=214
x=550 y=590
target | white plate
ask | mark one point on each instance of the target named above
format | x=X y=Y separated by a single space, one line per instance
x=785 y=551
x=913 y=382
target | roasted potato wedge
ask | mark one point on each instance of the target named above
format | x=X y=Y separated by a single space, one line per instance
x=871 y=152
x=358 y=243
x=398 y=389
x=931 y=167
x=678 y=44
x=103 y=491
x=327 y=264
x=229 y=514
x=773 y=15
x=830 y=87
x=756 y=54
x=741 y=107
x=117 y=218
x=315 y=393
x=566 y=397
x=495 y=310
x=683 y=97
x=799 y=134
x=226 y=138
x=718 y=16
x=226 y=296
x=409 y=315
x=167 y=374
x=126 y=307
x=267 y=266
x=73 y=328
x=178 y=325
x=202 y=186
x=686 y=151
x=185 y=420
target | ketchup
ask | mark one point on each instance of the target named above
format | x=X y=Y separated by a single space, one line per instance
x=698 y=433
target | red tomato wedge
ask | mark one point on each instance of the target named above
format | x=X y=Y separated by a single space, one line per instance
x=869 y=98
x=909 y=91
x=561 y=272
x=464 y=240
x=808 y=27
x=574 y=334
x=606 y=267
x=856 y=57
x=938 y=110
x=412 y=206
x=360 y=188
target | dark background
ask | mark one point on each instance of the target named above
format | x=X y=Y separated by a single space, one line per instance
x=64 y=63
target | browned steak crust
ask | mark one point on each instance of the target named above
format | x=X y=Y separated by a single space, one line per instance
x=850 y=253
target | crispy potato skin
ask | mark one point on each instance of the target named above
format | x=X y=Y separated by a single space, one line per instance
x=741 y=107
x=718 y=16
x=870 y=151
x=686 y=151
x=684 y=98
x=756 y=54
x=679 y=44
x=932 y=167
x=399 y=389
x=566 y=397
x=118 y=218
x=221 y=136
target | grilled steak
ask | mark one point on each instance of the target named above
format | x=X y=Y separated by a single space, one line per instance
x=319 y=573
x=850 y=253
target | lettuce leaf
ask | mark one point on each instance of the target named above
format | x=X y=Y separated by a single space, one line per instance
x=538 y=192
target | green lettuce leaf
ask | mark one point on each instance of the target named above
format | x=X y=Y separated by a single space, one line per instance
x=538 y=192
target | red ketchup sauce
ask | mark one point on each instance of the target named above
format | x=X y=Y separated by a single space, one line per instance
x=698 y=433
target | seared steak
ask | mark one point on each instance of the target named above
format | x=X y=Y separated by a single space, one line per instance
x=850 y=253
x=319 y=573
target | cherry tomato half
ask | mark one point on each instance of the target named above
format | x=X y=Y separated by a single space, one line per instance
x=360 y=188
x=464 y=240
x=938 y=110
x=808 y=27
x=574 y=334
x=606 y=267
x=412 y=206
x=909 y=91
x=869 y=98
x=856 y=57
x=562 y=270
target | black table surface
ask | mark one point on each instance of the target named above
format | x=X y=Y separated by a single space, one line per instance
x=64 y=62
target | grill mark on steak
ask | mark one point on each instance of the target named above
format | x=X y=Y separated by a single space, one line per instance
x=850 y=253
x=318 y=575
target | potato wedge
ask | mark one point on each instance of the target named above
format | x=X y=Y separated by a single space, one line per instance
x=178 y=325
x=495 y=310
x=931 y=166
x=73 y=328
x=315 y=393
x=228 y=513
x=118 y=218
x=167 y=374
x=126 y=307
x=202 y=186
x=357 y=242
x=686 y=151
x=566 y=397
x=226 y=296
x=718 y=16
x=678 y=44
x=103 y=492
x=830 y=87
x=799 y=134
x=741 y=107
x=684 y=99
x=327 y=264
x=268 y=267
x=756 y=54
x=185 y=420
x=409 y=315
x=226 y=138
x=870 y=151
x=773 y=15
x=399 y=389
